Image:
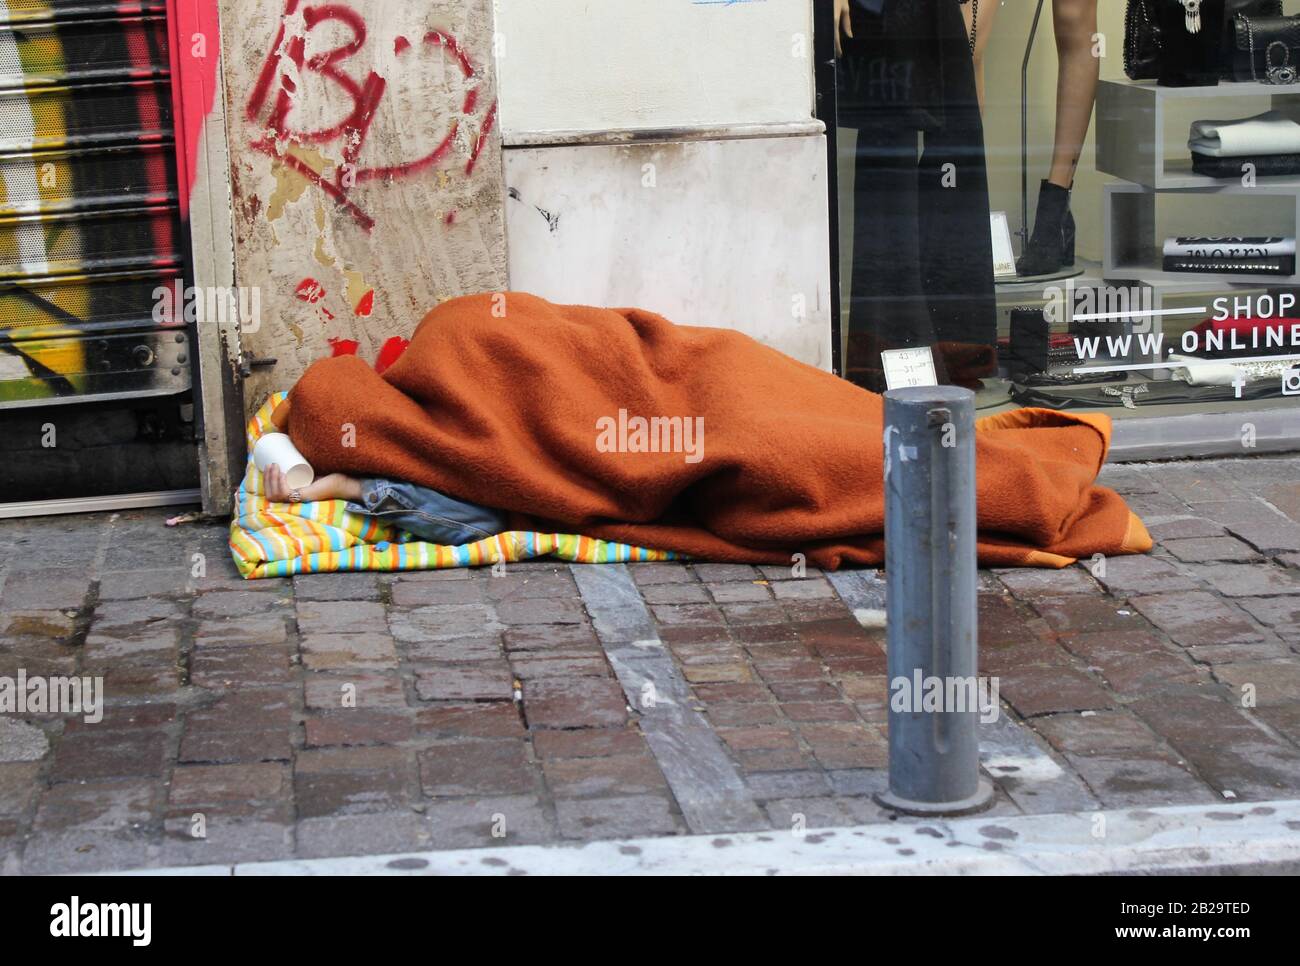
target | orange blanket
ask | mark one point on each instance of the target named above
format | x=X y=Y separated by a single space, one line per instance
x=555 y=412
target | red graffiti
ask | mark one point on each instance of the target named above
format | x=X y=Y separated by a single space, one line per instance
x=310 y=290
x=362 y=98
x=367 y=303
x=390 y=352
x=483 y=133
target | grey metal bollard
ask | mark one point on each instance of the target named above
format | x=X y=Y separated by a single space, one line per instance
x=930 y=573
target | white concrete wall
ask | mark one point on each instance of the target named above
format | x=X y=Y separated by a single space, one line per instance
x=602 y=65
x=663 y=154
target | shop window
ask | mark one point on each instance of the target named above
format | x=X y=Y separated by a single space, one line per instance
x=1071 y=204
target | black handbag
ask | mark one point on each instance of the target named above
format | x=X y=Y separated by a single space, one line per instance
x=1250 y=8
x=1266 y=49
x=1143 y=40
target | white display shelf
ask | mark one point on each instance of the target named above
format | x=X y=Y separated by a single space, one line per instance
x=1150 y=89
x=1132 y=244
x=1131 y=127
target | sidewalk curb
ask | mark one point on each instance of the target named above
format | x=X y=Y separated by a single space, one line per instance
x=1172 y=839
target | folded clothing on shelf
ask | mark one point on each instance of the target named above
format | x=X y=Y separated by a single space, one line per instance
x=1230 y=254
x=1262 y=165
x=1267 y=133
x=1256 y=265
x=1228 y=246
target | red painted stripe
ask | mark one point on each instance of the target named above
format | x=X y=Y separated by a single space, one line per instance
x=269 y=69
x=488 y=123
x=268 y=148
x=447 y=40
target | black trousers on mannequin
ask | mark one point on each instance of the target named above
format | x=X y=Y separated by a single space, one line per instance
x=922 y=254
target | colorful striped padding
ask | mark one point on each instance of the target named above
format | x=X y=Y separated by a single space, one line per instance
x=282 y=539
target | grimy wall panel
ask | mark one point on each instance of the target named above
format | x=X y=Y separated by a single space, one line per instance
x=366 y=171
x=725 y=232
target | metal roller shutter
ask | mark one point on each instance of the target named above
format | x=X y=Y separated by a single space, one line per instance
x=89 y=221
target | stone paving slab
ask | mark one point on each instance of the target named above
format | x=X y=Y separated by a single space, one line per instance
x=344 y=714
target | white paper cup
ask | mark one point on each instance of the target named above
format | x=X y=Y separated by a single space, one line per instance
x=278 y=448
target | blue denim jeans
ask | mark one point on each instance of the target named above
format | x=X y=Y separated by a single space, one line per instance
x=428 y=514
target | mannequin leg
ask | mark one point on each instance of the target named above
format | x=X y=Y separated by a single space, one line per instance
x=1075 y=23
x=1051 y=246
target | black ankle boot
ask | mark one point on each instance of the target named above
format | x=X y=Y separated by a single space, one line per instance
x=1051 y=246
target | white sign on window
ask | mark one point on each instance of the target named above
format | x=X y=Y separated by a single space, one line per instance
x=908 y=367
x=1004 y=257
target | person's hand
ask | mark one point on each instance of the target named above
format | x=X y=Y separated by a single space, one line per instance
x=277 y=487
x=334 y=486
x=842 y=22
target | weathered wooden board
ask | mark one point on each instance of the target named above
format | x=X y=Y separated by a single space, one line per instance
x=366 y=171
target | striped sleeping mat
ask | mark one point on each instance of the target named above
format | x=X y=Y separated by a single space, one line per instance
x=281 y=539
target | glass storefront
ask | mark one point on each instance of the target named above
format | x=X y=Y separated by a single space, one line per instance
x=1071 y=204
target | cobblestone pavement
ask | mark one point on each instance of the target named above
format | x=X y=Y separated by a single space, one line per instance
x=349 y=714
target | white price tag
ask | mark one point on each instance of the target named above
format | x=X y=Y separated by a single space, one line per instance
x=908 y=367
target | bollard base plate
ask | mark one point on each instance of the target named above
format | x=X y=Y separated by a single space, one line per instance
x=981 y=800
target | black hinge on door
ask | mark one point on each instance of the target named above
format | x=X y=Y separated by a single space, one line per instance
x=248 y=362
